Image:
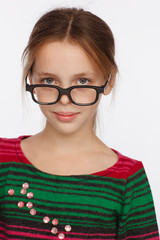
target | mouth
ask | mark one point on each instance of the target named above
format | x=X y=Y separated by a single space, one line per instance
x=66 y=116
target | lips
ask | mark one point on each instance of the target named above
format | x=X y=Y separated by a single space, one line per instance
x=65 y=113
x=65 y=116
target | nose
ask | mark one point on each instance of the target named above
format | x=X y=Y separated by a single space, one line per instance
x=64 y=99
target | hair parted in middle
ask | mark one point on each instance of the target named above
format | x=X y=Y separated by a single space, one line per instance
x=77 y=26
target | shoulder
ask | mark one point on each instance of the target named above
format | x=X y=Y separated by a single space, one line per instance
x=127 y=166
x=8 y=149
x=7 y=144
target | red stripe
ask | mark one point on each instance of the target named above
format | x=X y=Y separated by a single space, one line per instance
x=145 y=235
x=16 y=233
x=1 y=235
x=14 y=226
x=48 y=237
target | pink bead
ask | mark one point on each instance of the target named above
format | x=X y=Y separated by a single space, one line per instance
x=54 y=230
x=23 y=191
x=55 y=221
x=67 y=228
x=61 y=236
x=33 y=211
x=29 y=205
x=11 y=191
x=30 y=195
x=25 y=185
x=21 y=204
x=46 y=219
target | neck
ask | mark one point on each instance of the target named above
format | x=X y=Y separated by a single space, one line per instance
x=82 y=140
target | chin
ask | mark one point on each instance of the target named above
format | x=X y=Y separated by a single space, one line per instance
x=66 y=131
x=63 y=128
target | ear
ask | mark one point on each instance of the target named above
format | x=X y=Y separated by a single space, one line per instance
x=108 y=89
x=110 y=85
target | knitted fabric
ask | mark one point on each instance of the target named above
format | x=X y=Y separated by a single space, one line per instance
x=112 y=204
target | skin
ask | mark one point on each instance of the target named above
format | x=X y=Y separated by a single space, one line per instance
x=69 y=148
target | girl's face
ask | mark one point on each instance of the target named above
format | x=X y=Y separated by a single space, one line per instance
x=66 y=64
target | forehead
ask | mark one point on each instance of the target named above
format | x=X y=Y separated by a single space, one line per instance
x=64 y=55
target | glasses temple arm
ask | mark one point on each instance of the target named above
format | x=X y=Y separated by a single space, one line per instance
x=107 y=82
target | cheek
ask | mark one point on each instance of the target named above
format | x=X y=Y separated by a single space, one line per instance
x=45 y=110
x=91 y=110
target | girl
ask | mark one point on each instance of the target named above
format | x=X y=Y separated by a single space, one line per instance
x=64 y=182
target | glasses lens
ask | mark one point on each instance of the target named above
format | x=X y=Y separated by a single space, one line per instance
x=83 y=95
x=45 y=94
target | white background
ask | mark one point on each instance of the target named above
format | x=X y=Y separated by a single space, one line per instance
x=129 y=121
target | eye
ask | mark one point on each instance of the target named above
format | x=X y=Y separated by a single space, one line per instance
x=48 y=80
x=83 y=81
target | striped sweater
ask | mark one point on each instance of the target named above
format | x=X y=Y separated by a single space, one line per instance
x=112 y=204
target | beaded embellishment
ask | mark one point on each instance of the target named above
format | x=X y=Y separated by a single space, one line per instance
x=32 y=211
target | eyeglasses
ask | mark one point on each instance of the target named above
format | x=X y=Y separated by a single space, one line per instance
x=44 y=94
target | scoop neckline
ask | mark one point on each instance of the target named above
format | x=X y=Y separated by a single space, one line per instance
x=104 y=172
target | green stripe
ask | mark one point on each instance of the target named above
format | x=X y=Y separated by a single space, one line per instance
x=148 y=223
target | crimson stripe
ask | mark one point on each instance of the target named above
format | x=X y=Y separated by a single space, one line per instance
x=41 y=236
x=1 y=235
x=16 y=233
x=44 y=230
x=14 y=226
x=144 y=235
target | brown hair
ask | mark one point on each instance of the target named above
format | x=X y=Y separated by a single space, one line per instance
x=76 y=25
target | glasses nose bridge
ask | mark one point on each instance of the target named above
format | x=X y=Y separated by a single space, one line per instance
x=65 y=91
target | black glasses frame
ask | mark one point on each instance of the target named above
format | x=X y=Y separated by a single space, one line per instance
x=66 y=91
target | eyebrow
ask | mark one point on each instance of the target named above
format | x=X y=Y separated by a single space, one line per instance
x=84 y=73
x=75 y=75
